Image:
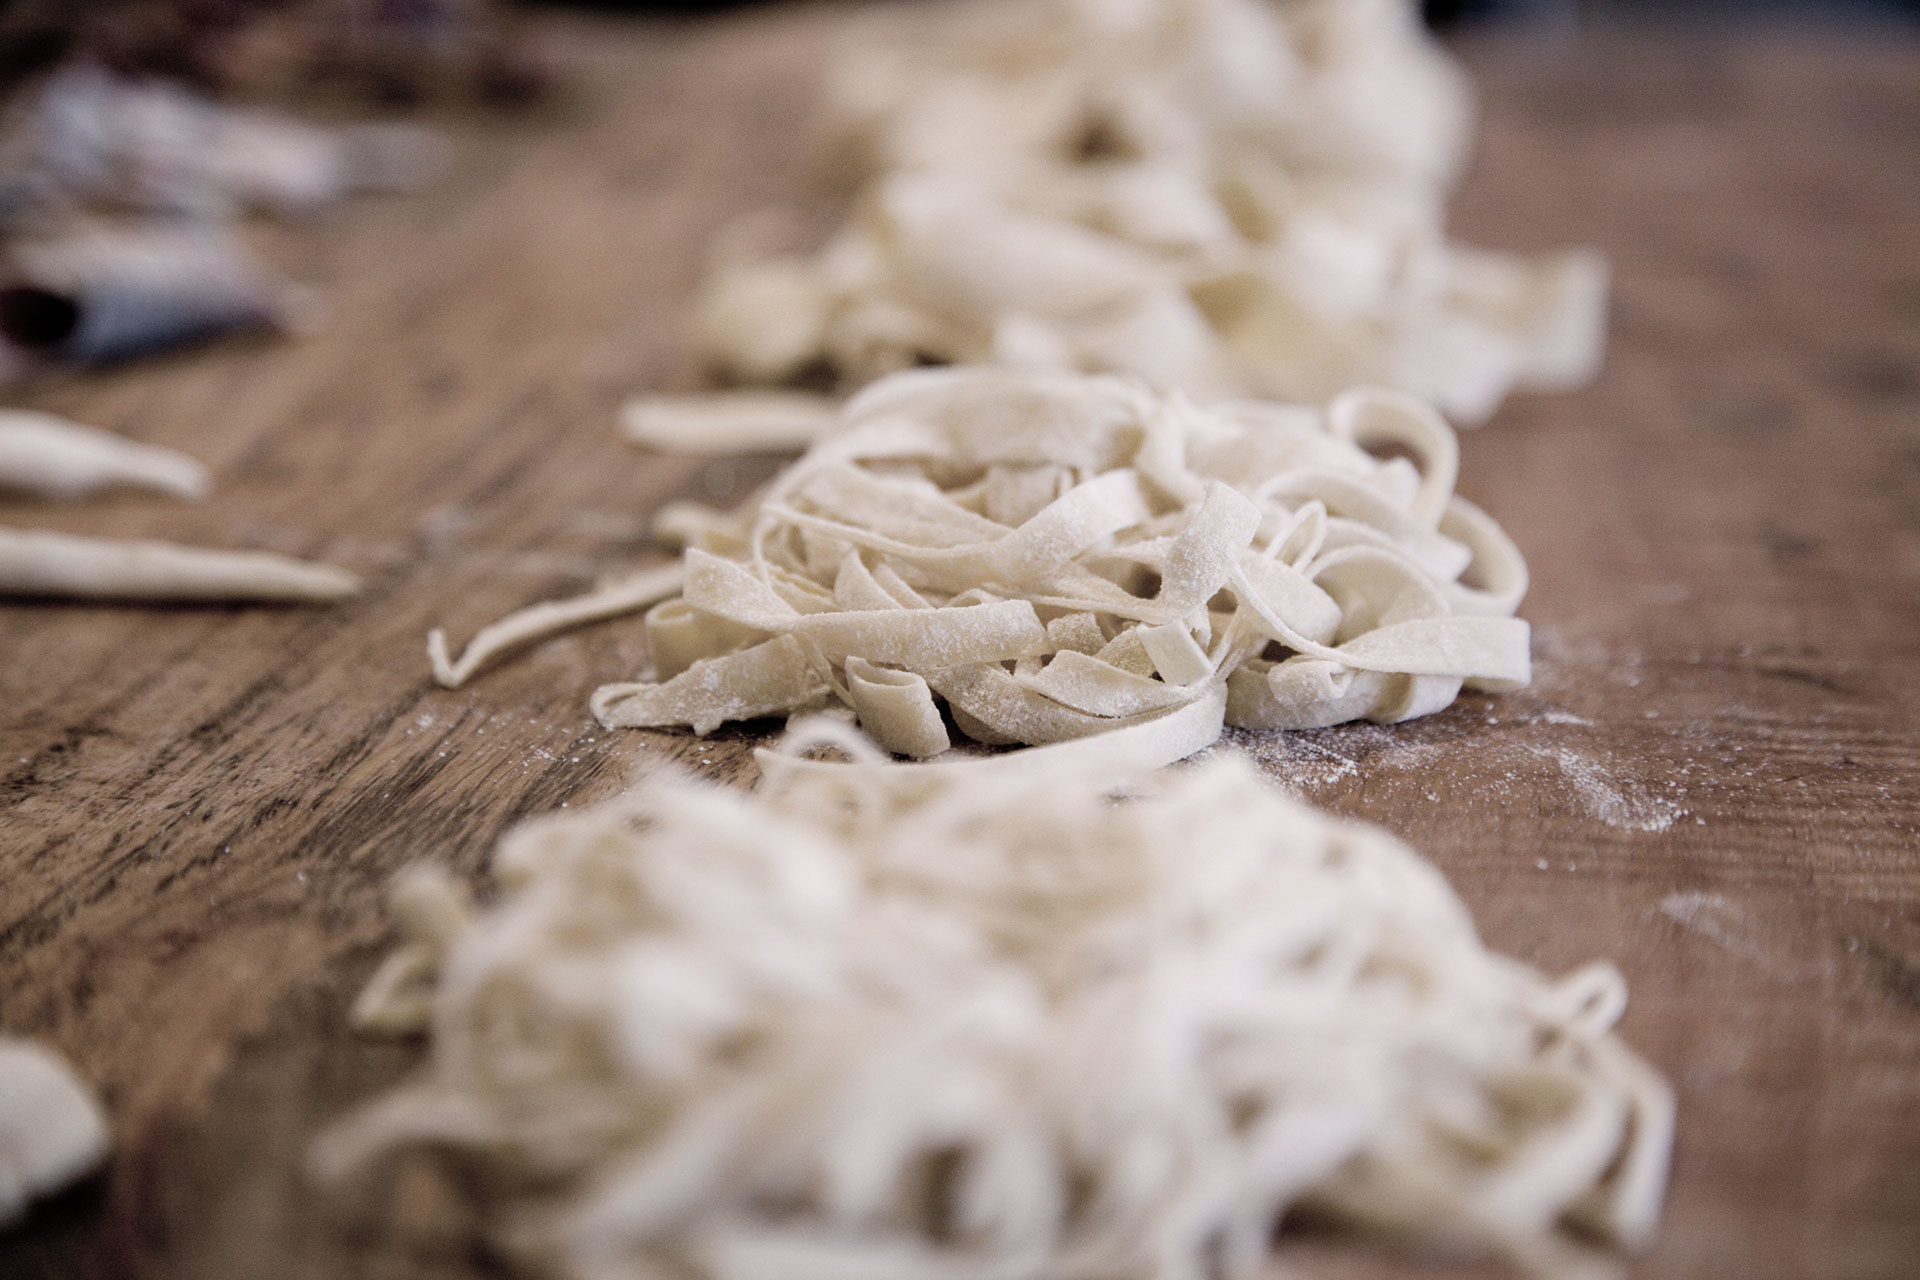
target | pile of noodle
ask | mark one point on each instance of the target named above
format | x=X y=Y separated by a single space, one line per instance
x=986 y=1021
x=1228 y=197
x=1032 y=558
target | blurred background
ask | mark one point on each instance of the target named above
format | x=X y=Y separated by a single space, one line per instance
x=148 y=107
x=1726 y=513
x=1713 y=11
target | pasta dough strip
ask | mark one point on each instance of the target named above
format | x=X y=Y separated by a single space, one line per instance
x=37 y=563
x=740 y=422
x=51 y=1130
x=776 y=676
x=897 y=709
x=537 y=622
x=45 y=454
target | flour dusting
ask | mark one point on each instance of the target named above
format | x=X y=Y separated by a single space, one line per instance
x=1722 y=922
x=1492 y=766
x=1293 y=760
x=1627 y=806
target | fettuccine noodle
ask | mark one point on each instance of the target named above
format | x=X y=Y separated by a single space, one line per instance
x=37 y=563
x=1045 y=557
x=48 y=455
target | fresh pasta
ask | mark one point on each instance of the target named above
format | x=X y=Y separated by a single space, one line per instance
x=1042 y=557
x=45 y=454
x=729 y=422
x=1227 y=197
x=1015 y=1017
x=40 y=564
x=52 y=1132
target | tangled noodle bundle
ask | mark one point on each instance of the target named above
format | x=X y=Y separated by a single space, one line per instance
x=1228 y=197
x=983 y=1020
x=1053 y=556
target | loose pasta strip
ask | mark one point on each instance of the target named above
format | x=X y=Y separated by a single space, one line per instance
x=40 y=564
x=45 y=454
x=728 y=423
x=537 y=622
x=51 y=1129
x=981 y=1019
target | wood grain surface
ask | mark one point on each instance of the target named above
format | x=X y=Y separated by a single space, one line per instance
x=1711 y=779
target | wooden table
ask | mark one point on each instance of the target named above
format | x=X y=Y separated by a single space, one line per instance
x=1710 y=779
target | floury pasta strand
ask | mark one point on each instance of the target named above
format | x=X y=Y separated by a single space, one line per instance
x=1227 y=197
x=1046 y=557
x=41 y=565
x=1001 y=1019
x=50 y=456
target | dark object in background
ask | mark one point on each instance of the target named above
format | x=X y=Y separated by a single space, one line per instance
x=1618 y=12
x=88 y=137
x=122 y=169
x=1442 y=12
x=392 y=51
x=102 y=294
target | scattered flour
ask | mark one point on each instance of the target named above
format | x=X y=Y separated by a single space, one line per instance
x=1497 y=765
x=1723 y=923
x=1294 y=760
x=442 y=527
x=1624 y=805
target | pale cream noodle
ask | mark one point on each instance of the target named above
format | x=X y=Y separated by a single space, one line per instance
x=52 y=1131
x=1038 y=1016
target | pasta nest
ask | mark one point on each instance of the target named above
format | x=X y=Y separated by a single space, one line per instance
x=1053 y=556
x=1229 y=197
x=980 y=1021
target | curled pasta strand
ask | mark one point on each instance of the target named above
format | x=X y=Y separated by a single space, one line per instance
x=548 y=618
